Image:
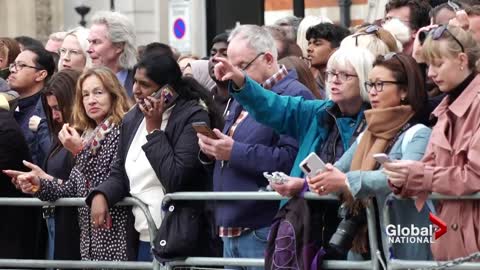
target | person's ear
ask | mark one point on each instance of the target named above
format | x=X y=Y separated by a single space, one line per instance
x=119 y=47
x=463 y=60
x=269 y=58
x=41 y=75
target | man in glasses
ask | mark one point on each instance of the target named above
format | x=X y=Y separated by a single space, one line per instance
x=245 y=149
x=323 y=40
x=413 y=13
x=28 y=74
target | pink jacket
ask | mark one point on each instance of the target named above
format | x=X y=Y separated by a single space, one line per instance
x=451 y=166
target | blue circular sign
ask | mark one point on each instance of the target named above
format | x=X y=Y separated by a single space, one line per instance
x=179 y=28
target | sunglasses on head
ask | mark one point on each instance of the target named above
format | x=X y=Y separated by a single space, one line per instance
x=372 y=29
x=389 y=56
x=437 y=33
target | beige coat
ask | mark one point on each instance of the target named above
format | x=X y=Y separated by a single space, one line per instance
x=451 y=166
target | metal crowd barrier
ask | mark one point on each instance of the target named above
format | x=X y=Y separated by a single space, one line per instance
x=79 y=264
x=409 y=264
x=328 y=264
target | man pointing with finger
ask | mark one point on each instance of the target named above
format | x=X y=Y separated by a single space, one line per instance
x=245 y=148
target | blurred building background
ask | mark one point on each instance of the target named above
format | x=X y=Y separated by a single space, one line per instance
x=188 y=25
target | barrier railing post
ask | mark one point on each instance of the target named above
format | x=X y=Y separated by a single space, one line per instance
x=372 y=234
x=329 y=264
x=79 y=202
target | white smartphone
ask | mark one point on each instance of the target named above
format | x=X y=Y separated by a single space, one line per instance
x=312 y=165
x=381 y=158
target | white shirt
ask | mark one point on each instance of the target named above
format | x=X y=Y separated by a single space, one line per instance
x=144 y=183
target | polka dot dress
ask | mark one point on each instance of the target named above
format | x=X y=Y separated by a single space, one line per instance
x=89 y=171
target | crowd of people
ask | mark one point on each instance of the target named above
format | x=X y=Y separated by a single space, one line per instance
x=92 y=115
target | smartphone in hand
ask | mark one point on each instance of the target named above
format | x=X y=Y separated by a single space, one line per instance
x=204 y=129
x=169 y=95
x=382 y=158
x=312 y=165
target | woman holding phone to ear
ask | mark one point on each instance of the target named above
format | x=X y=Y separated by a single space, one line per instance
x=158 y=145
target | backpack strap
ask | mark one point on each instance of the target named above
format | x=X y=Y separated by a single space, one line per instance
x=407 y=138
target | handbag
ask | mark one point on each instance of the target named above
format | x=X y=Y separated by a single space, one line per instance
x=181 y=232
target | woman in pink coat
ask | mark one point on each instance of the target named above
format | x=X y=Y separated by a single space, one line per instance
x=451 y=164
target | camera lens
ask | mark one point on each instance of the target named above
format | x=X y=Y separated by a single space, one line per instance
x=305 y=166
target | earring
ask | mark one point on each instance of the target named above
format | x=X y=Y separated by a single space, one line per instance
x=461 y=67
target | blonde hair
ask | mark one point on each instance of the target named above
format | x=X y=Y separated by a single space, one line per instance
x=120 y=101
x=303 y=27
x=81 y=34
x=360 y=59
x=434 y=49
x=378 y=43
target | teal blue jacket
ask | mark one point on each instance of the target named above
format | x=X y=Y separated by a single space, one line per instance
x=367 y=184
x=304 y=120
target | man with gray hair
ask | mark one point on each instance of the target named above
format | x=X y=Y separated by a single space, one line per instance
x=245 y=149
x=112 y=44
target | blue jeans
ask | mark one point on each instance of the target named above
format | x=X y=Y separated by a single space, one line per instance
x=251 y=244
x=51 y=237
x=144 y=252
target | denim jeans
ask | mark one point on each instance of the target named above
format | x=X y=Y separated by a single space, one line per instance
x=144 y=252
x=251 y=244
x=51 y=237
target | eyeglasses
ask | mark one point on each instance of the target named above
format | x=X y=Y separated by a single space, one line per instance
x=372 y=29
x=64 y=52
x=439 y=31
x=253 y=60
x=20 y=66
x=342 y=76
x=378 y=85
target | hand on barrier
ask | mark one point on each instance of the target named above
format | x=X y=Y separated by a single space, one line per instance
x=99 y=212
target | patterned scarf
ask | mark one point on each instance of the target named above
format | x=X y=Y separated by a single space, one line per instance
x=92 y=139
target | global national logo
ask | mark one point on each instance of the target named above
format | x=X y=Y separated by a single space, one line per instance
x=413 y=234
